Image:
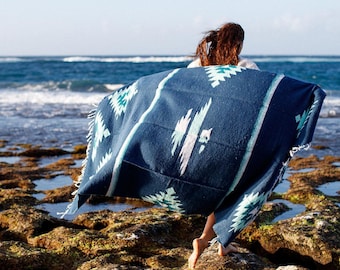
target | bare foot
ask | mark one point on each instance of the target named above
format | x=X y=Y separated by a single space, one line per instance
x=222 y=251
x=199 y=245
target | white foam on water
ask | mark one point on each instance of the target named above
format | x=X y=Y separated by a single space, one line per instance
x=295 y=59
x=10 y=59
x=50 y=97
x=132 y=59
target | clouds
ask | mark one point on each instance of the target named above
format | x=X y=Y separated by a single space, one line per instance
x=304 y=30
x=290 y=23
x=308 y=22
x=165 y=27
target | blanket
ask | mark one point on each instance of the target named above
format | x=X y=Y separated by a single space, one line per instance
x=200 y=140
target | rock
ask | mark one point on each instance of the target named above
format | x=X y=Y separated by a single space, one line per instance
x=291 y=267
x=19 y=255
x=40 y=152
x=62 y=194
x=311 y=238
x=13 y=197
x=23 y=222
x=243 y=260
x=154 y=238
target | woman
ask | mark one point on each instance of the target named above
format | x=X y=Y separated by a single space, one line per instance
x=218 y=47
x=222 y=47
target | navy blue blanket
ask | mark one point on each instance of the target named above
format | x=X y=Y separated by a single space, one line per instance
x=201 y=140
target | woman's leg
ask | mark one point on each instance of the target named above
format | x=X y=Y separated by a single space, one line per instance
x=222 y=251
x=201 y=243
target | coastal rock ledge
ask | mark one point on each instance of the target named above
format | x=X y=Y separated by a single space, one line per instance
x=146 y=237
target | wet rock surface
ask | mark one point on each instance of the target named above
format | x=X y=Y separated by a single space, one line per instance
x=145 y=237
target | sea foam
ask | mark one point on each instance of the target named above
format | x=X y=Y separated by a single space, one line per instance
x=50 y=97
x=132 y=59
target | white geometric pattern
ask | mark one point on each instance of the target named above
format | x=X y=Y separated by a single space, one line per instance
x=167 y=199
x=302 y=119
x=100 y=132
x=219 y=73
x=192 y=135
x=120 y=99
x=247 y=210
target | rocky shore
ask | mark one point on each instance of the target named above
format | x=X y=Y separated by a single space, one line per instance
x=146 y=237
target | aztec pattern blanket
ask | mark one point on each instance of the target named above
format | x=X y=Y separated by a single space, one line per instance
x=200 y=140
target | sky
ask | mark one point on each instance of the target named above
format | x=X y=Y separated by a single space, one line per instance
x=165 y=27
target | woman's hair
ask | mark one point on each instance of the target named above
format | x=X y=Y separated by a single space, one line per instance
x=221 y=46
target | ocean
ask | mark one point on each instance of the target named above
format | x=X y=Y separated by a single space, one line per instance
x=45 y=100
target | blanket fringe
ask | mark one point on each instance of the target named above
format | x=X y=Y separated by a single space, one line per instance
x=91 y=117
x=298 y=148
x=292 y=152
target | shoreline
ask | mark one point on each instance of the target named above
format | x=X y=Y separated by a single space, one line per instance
x=145 y=237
